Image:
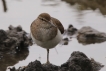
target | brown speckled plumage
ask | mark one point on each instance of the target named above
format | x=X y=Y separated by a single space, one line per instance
x=46 y=32
x=58 y=24
x=43 y=31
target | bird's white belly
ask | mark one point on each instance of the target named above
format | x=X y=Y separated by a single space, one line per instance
x=49 y=44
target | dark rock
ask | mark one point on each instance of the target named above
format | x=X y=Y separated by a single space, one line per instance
x=77 y=62
x=34 y=66
x=10 y=27
x=12 y=69
x=3 y=36
x=89 y=4
x=88 y=35
x=13 y=38
x=50 y=67
x=70 y=26
x=13 y=42
x=96 y=65
x=65 y=41
x=71 y=30
x=19 y=28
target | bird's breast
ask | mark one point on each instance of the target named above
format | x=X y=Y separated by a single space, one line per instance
x=50 y=43
x=44 y=34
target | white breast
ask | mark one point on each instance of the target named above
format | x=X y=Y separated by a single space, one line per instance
x=51 y=43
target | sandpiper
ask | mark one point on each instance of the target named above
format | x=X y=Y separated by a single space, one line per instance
x=46 y=32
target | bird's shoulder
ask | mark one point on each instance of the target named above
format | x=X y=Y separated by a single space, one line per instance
x=58 y=24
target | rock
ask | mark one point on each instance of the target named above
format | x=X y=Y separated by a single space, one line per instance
x=71 y=30
x=78 y=61
x=70 y=26
x=89 y=4
x=14 y=37
x=65 y=41
x=12 y=69
x=3 y=36
x=96 y=65
x=34 y=66
x=13 y=46
x=50 y=67
x=88 y=35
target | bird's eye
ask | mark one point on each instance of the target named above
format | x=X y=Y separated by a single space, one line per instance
x=42 y=19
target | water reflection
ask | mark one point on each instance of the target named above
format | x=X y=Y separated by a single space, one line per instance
x=89 y=4
x=25 y=12
x=90 y=40
x=50 y=3
x=4 y=5
x=11 y=59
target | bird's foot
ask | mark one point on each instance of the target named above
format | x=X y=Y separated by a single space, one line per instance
x=47 y=62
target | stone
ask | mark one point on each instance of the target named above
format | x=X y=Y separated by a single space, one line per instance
x=78 y=61
x=71 y=30
x=14 y=44
x=88 y=35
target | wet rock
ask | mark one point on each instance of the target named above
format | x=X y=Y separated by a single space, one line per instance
x=71 y=30
x=50 y=67
x=88 y=35
x=3 y=36
x=34 y=66
x=89 y=4
x=12 y=69
x=13 y=38
x=1 y=56
x=65 y=41
x=96 y=65
x=14 y=44
x=78 y=61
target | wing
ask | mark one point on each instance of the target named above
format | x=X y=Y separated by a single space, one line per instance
x=41 y=31
x=58 y=24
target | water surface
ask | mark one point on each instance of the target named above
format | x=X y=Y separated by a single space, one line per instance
x=23 y=12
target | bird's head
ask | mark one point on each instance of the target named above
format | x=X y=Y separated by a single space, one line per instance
x=46 y=18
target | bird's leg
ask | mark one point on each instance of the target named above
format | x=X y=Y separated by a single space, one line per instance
x=48 y=57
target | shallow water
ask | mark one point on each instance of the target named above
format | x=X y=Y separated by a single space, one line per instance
x=23 y=12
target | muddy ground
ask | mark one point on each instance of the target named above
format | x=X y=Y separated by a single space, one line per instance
x=14 y=44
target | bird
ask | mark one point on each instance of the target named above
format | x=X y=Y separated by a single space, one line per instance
x=46 y=32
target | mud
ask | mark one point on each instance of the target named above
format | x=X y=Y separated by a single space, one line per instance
x=65 y=41
x=85 y=35
x=78 y=61
x=14 y=39
x=88 y=35
x=71 y=30
x=89 y=4
x=14 y=44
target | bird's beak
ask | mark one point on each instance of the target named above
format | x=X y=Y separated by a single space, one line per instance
x=52 y=23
